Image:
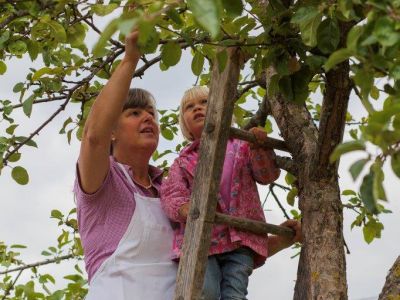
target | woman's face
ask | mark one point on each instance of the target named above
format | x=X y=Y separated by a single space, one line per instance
x=194 y=114
x=137 y=129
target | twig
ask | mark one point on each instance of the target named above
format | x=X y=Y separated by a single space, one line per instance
x=40 y=263
x=7 y=291
x=271 y=188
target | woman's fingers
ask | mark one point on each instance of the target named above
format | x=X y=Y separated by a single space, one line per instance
x=260 y=136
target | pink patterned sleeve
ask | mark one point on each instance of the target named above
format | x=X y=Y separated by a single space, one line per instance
x=175 y=192
x=263 y=165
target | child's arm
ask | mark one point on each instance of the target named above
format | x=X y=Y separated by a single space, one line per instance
x=263 y=160
x=175 y=194
x=277 y=243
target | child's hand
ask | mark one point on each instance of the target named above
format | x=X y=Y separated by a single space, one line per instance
x=184 y=210
x=260 y=135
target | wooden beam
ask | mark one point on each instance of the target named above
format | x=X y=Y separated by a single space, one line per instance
x=253 y=226
x=203 y=201
x=270 y=143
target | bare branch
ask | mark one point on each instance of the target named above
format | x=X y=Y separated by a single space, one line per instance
x=271 y=189
x=37 y=264
x=11 y=286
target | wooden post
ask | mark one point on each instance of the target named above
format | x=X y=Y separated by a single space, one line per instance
x=203 y=201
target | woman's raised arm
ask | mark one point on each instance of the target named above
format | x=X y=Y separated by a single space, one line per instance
x=93 y=164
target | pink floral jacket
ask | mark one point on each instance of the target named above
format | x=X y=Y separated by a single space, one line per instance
x=249 y=166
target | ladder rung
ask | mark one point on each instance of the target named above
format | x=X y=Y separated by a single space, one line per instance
x=253 y=226
x=249 y=137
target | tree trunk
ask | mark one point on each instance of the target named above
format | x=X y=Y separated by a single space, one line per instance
x=391 y=289
x=322 y=266
x=321 y=272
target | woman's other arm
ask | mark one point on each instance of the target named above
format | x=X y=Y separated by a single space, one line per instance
x=93 y=161
x=278 y=243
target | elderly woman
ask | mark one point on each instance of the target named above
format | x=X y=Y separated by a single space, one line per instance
x=126 y=237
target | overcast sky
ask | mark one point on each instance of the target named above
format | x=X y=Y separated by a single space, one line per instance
x=25 y=210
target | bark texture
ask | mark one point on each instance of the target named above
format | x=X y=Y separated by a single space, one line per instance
x=391 y=289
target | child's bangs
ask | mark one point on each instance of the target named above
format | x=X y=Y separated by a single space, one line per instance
x=197 y=92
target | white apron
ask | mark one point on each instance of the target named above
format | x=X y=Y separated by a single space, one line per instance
x=141 y=266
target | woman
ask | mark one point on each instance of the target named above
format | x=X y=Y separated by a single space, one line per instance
x=127 y=239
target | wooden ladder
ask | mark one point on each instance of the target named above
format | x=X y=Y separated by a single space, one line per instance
x=202 y=214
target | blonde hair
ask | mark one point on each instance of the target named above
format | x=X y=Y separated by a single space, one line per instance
x=196 y=92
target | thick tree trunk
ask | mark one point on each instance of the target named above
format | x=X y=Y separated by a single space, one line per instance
x=391 y=289
x=322 y=267
x=321 y=272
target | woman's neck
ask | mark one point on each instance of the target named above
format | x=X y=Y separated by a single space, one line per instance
x=139 y=163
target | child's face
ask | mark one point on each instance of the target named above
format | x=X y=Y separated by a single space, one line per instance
x=194 y=113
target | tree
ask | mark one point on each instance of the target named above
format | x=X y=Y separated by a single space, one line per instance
x=296 y=52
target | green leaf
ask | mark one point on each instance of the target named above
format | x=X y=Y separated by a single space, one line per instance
x=289 y=178
x=107 y=33
x=349 y=193
x=18 y=47
x=56 y=214
x=20 y=175
x=174 y=16
x=308 y=18
x=346 y=147
x=378 y=190
x=17 y=246
x=353 y=36
x=206 y=12
x=39 y=73
x=328 y=36
x=102 y=9
x=148 y=38
x=385 y=32
x=167 y=134
x=337 y=57
x=372 y=230
x=27 y=105
x=46 y=253
x=357 y=167
x=291 y=196
x=57 y=30
x=367 y=195
x=10 y=130
x=18 y=87
x=197 y=63
x=3 y=67
x=395 y=162
x=234 y=8
x=76 y=34
x=14 y=157
x=171 y=54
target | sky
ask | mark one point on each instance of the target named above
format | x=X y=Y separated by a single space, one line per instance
x=25 y=210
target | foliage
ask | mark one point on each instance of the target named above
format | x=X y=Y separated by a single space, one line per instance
x=303 y=41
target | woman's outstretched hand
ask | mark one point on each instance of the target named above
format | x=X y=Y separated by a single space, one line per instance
x=277 y=243
x=132 y=52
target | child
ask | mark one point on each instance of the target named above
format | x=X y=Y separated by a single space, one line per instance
x=233 y=254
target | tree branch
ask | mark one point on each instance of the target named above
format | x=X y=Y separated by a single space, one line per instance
x=287 y=164
x=86 y=80
x=333 y=110
x=37 y=264
x=11 y=286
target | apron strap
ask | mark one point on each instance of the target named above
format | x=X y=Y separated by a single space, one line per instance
x=128 y=177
